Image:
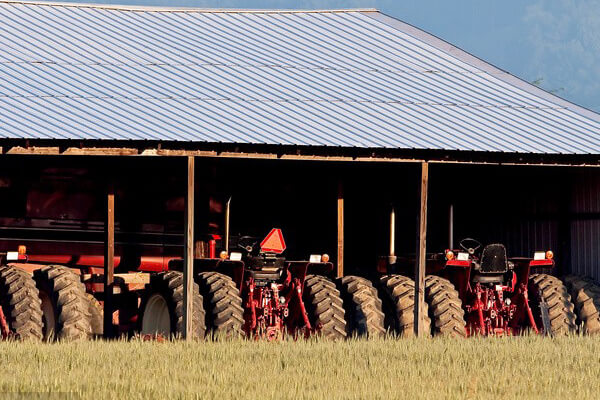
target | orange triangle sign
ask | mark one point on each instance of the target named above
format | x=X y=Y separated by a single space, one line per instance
x=274 y=242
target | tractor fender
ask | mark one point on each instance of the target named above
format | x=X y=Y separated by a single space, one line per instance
x=300 y=269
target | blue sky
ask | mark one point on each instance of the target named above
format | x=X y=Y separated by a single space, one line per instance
x=553 y=42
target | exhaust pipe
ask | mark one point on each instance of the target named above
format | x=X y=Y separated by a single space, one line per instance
x=392 y=254
x=227 y=211
x=451 y=227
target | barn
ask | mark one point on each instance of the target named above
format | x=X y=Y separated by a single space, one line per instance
x=126 y=130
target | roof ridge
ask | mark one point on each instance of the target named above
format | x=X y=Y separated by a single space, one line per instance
x=181 y=9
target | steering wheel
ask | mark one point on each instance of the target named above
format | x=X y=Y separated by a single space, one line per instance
x=247 y=243
x=470 y=245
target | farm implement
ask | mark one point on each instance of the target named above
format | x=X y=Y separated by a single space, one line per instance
x=254 y=290
x=478 y=291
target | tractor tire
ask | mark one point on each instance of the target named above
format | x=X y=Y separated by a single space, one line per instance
x=398 y=295
x=585 y=294
x=364 y=315
x=96 y=315
x=162 y=308
x=445 y=308
x=225 y=315
x=20 y=301
x=325 y=307
x=65 y=305
x=561 y=315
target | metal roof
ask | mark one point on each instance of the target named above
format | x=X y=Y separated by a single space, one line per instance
x=349 y=78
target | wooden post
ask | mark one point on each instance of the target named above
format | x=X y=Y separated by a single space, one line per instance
x=421 y=254
x=188 y=263
x=340 y=230
x=109 y=260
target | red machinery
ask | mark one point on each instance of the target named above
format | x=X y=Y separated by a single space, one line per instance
x=499 y=295
x=56 y=211
x=268 y=296
x=475 y=291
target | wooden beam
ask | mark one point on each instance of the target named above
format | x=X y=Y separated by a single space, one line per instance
x=109 y=260
x=421 y=254
x=188 y=267
x=340 y=230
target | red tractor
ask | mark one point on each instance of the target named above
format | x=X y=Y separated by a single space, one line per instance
x=502 y=296
x=479 y=291
x=254 y=290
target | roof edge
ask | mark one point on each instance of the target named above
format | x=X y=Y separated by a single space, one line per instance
x=483 y=65
x=180 y=9
x=72 y=147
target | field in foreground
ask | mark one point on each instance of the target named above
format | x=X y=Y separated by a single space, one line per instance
x=528 y=367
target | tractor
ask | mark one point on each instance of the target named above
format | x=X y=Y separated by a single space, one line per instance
x=499 y=296
x=253 y=290
x=477 y=290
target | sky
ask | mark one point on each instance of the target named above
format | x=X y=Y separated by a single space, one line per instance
x=554 y=43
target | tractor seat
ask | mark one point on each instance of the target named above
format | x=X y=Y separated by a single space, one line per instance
x=493 y=259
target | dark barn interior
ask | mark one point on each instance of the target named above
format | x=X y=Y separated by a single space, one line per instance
x=528 y=208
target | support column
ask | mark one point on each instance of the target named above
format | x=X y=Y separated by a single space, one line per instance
x=109 y=261
x=340 y=230
x=188 y=258
x=421 y=254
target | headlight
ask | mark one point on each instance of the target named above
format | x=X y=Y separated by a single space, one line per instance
x=315 y=258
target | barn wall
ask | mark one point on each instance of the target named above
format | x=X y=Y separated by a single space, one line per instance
x=517 y=206
x=585 y=224
x=527 y=208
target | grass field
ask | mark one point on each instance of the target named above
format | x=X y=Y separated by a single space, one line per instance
x=527 y=367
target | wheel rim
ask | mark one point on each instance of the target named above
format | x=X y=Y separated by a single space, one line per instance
x=48 y=316
x=156 y=319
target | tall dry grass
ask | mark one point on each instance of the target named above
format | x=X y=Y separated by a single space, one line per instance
x=526 y=367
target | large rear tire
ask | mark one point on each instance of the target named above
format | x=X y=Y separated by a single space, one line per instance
x=20 y=303
x=324 y=307
x=551 y=291
x=364 y=315
x=65 y=306
x=398 y=295
x=162 y=307
x=445 y=307
x=585 y=294
x=225 y=315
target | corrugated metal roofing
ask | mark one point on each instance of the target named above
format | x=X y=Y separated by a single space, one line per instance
x=353 y=78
